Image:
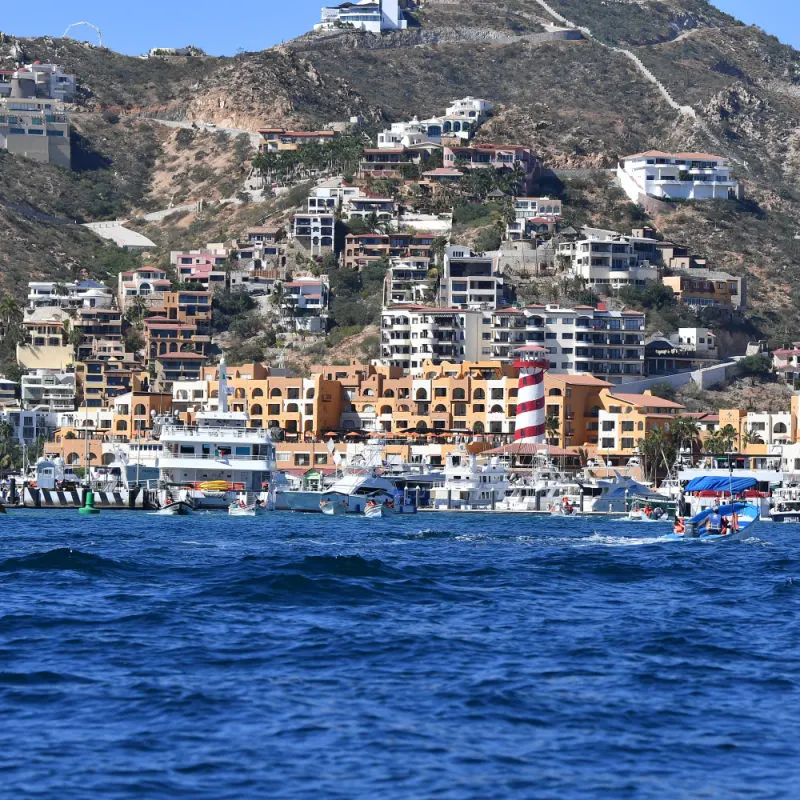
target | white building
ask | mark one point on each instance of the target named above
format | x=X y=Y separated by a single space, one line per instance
x=771 y=429
x=701 y=341
x=38 y=80
x=305 y=303
x=474 y=108
x=411 y=335
x=609 y=260
x=406 y=282
x=676 y=176
x=80 y=294
x=606 y=344
x=48 y=390
x=331 y=195
x=470 y=280
x=373 y=16
x=314 y=232
x=27 y=426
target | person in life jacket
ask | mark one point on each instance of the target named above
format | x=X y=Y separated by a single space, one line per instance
x=714 y=522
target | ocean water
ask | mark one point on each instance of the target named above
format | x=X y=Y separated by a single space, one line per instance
x=431 y=656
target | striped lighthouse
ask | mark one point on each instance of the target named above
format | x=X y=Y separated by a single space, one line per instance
x=530 y=425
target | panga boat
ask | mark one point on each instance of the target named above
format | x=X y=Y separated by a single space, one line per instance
x=373 y=510
x=241 y=509
x=176 y=508
x=333 y=506
x=740 y=517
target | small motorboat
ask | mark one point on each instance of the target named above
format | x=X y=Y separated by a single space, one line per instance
x=738 y=520
x=373 y=510
x=333 y=508
x=647 y=514
x=175 y=508
x=565 y=509
x=241 y=509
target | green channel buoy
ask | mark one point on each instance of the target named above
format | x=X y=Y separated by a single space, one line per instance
x=88 y=504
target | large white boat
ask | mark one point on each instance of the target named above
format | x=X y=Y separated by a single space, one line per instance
x=469 y=484
x=348 y=494
x=218 y=460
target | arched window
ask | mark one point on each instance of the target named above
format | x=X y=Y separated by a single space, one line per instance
x=369 y=393
x=478 y=427
x=291 y=408
x=239 y=393
x=386 y=409
x=122 y=425
x=459 y=394
x=479 y=394
x=258 y=392
x=108 y=458
x=388 y=393
x=73 y=458
x=140 y=410
x=368 y=410
x=780 y=427
x=554 y=393
x=402 y=407
x=276 y=393
x=440 y=409
x=421 y=394
x=496 y=409
x=310 y=393
x=256 y=410
x=422 y=426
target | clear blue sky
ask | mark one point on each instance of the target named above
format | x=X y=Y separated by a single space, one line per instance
x=222 y=28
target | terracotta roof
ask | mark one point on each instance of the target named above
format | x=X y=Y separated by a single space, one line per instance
x=580 y=380
x=645 y=400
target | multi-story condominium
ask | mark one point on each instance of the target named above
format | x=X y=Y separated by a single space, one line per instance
x=413 y=248
x=608 y=260
x=37 y=80
x=172 y=367
x=471 y=280
x=46 y=326
x=406 y=282
x=305 y=304
x=705 y=288
x=86 y=294
x=624 y=420
x=676 y=176
x=412 y=335
x=279 y=139
x=364 y=206
x=297 y=406
x=314 y=232
x=103 y=379
x=96 y=325
x=148 y=283
x=767 y=429
x=373 y=16
x=491 y=156
x=331 y=195
x=28 y=426
x=36 y=129
x=48 y=390
x=603 y=343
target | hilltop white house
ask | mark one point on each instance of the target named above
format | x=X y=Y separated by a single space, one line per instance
x=367 y=15
x=676 y=176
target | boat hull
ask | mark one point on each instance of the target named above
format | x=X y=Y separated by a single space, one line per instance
x=178 y=509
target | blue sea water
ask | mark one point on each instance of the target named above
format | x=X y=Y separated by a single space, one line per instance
x=432 y=656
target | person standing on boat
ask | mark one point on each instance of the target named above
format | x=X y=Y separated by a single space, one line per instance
x=714 y=523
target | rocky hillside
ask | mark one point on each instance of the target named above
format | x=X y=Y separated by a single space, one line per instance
x=580 y=103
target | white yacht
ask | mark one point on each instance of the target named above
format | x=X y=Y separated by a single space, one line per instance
x=469 y=484
x=346 y=494
x=218 y=459
x=534 y=490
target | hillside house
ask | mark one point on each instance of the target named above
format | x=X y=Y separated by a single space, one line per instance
x=676 y=176
x=305 y=304
x=705 y=288
x=498 y=157
x=372 y=16
x=148 y=283
x=314 y=232
x=277 y=140
x=471 y=280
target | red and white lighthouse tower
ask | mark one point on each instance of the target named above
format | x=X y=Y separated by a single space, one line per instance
x=530 y=422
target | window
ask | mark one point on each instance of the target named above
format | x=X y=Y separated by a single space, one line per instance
x=608 y=425
x=627 y=443
x=627 y=427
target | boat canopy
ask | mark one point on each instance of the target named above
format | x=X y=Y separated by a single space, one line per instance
x=711 y=483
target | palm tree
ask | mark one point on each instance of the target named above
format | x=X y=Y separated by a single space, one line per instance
x=684 y=432
x=751 y=436
x=10 y=312
x=552 y=426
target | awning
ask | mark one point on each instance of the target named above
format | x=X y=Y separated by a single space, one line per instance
x=720 y=484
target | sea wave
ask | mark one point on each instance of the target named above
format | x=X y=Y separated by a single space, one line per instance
x=62 y=559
